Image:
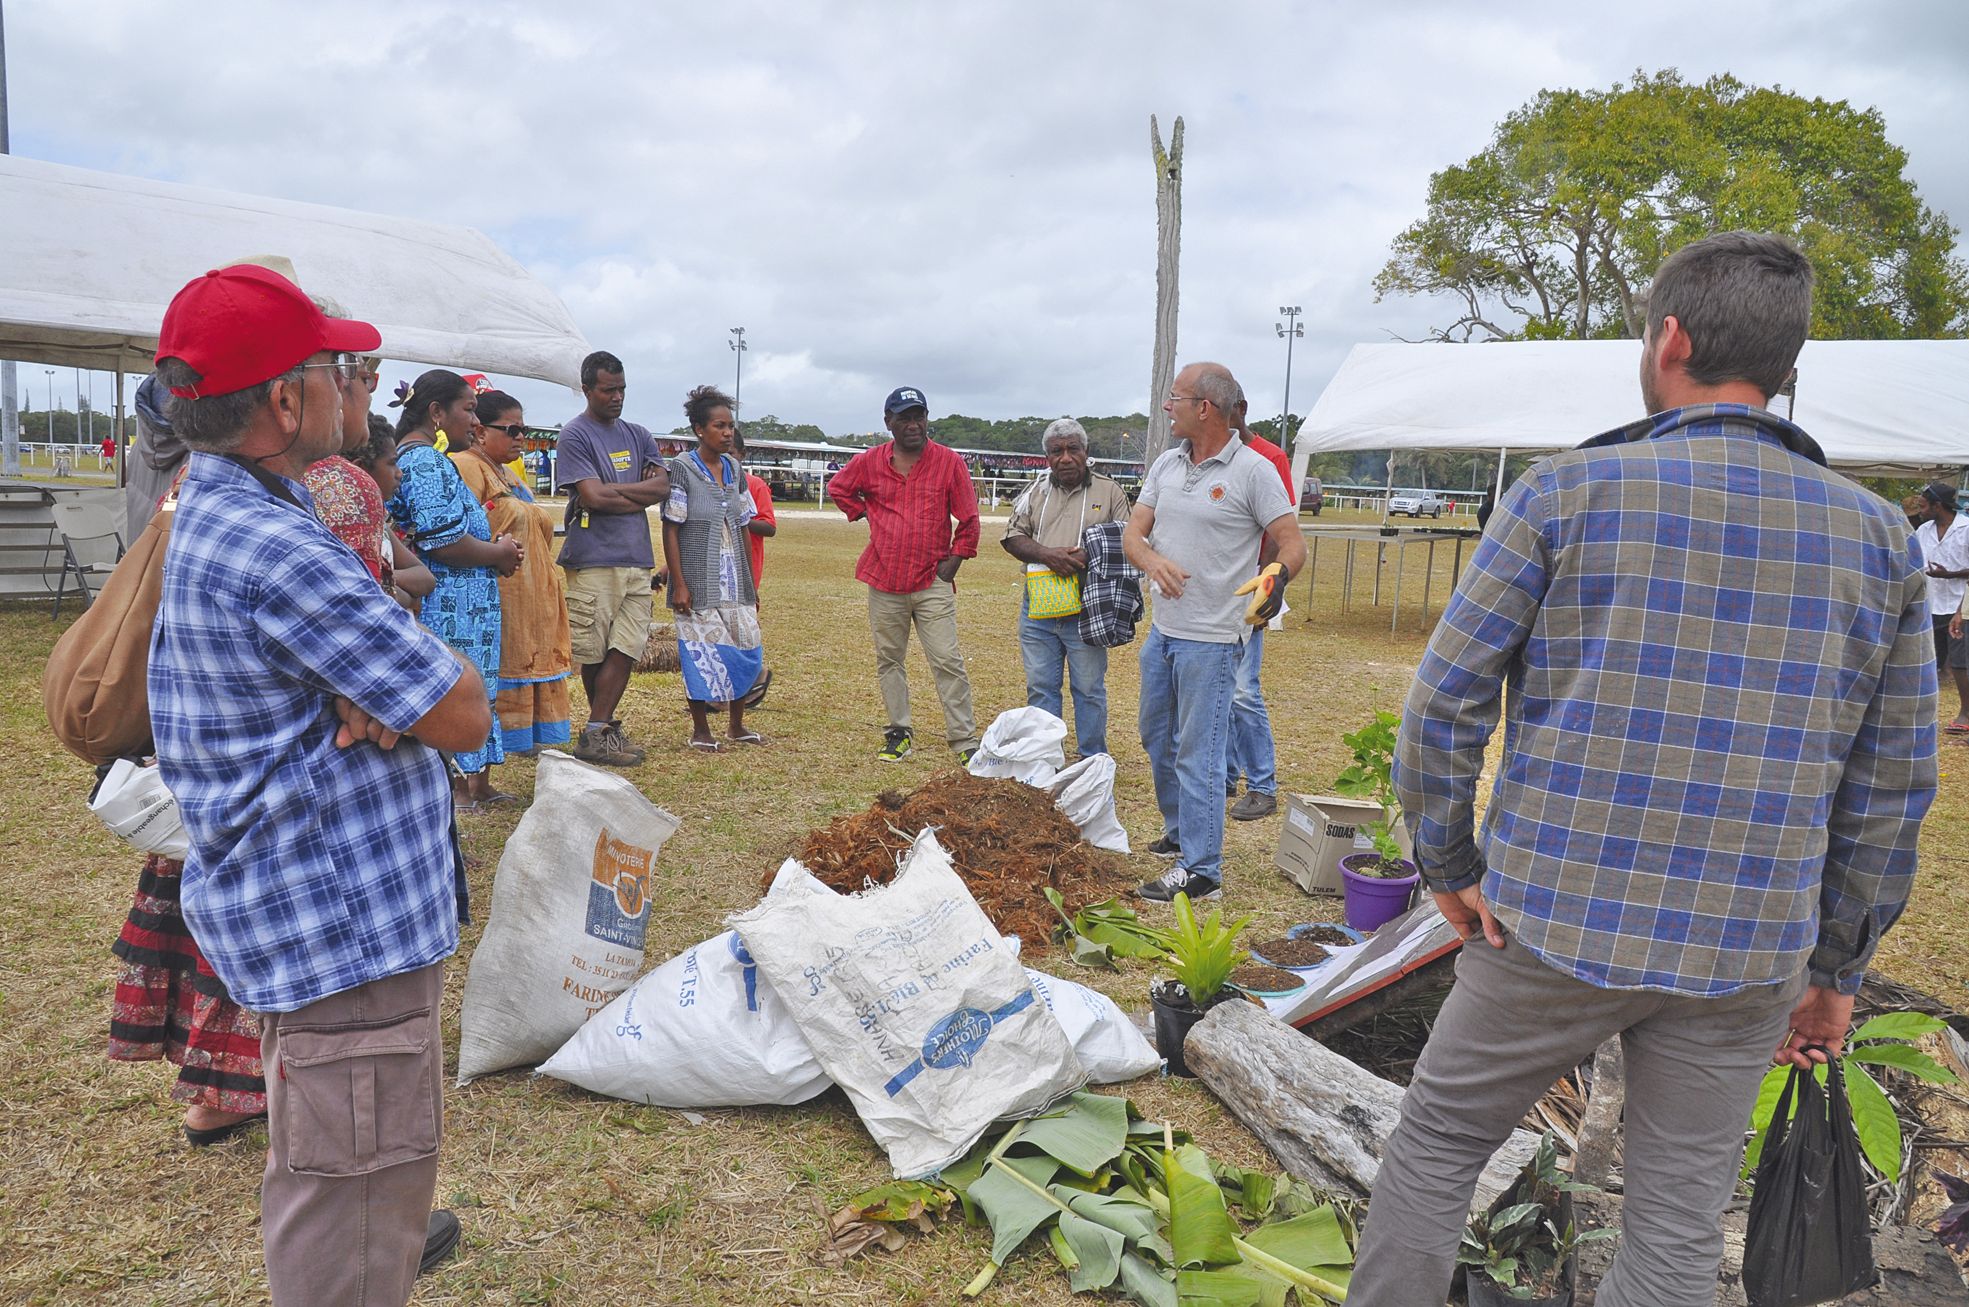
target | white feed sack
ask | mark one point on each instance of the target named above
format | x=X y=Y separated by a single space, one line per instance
x=702 y=1030
x=570 y=904
x=1109 y=1046
x=913 y=1003
x=1085 y=793
x=1021 y=744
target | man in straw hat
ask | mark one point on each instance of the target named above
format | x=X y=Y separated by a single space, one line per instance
x=298 y=713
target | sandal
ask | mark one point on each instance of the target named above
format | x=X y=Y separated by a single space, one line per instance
x=709 y=746
x=757 y=694
x=218 y=1134
x=750 y=737
x=1957 y=727
x=496 y=797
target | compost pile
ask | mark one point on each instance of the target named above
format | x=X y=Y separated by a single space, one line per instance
x=1006 y=839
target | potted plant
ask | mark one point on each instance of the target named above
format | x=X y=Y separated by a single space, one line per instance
x=1522 y=1250
x=1202 y=955
x=1377 y=886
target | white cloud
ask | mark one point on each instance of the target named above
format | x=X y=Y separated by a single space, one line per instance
x=954 y=196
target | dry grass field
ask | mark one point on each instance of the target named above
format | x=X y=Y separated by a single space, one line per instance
x=568 y=1198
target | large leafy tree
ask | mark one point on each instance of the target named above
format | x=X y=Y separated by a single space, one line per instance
x=1554 y=230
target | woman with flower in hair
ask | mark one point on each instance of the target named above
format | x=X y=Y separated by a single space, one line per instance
x=447 y=526
x=711 y=587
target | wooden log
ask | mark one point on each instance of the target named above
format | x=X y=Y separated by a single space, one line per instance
x=1599 y=1128
x=1325 y=1119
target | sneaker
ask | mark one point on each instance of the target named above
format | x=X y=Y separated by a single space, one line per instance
x=1166 y=848
x=1179 y=880
x=603 y=743
x=964 y=756
x=895 y=745
x=1253 y=806
x=440 y=1240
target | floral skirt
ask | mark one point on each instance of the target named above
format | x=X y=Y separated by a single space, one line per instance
x=170 y=1003
x=721 y=652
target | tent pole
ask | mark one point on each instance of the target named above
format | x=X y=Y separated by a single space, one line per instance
x=1499 y=494
x=122 y=443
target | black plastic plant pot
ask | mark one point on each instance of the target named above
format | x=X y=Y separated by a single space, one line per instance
x=1482 y=1291
x=1174 y=1015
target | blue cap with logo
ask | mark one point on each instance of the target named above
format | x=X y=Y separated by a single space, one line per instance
x=904 y=397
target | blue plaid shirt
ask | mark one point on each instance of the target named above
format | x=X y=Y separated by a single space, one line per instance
x=313 y=869
x=1720 y=736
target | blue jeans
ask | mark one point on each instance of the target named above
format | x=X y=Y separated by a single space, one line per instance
x=1251 y=754
x=1052 y=646
x=1185 y=720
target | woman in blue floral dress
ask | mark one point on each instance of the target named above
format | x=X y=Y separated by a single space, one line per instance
x=447 y=526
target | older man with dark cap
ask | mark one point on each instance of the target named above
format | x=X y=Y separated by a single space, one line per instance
x=1945 y=548
x=298 y=713
x=911 y=490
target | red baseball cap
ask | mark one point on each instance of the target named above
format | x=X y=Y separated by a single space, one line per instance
x=243 y=325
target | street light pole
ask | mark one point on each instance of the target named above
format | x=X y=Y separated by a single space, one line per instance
x=1291 y=330
x=738 y=346
x=10 y=436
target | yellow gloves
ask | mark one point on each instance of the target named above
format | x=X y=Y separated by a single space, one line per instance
x=1267 y=591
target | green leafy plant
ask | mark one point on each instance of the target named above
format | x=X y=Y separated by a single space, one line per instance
x=1371 y=777
x=1101 y=932
x=1203 y=955
x=1519 y=1244
x=1885 y=1040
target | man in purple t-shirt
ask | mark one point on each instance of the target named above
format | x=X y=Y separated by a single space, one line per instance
x=613 y=473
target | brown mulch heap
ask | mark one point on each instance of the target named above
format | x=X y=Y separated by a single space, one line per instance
x=1005 y=838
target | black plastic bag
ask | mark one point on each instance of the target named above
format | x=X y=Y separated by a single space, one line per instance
x=1809 y=1240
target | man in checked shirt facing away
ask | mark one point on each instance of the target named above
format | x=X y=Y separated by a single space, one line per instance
x=911 y=490
x=1719 y=745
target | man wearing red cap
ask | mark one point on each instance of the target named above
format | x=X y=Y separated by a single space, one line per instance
x=298 y=712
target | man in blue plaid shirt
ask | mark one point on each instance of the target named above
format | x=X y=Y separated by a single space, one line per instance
x=297 y=712
x=1719 y=745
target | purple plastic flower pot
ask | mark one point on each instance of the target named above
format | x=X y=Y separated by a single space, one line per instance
x=1373 y=900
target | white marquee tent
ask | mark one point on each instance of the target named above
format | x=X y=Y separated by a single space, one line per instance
x=89 y=260
x=1878 y=407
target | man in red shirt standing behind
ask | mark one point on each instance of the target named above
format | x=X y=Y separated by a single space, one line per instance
x=910 y=490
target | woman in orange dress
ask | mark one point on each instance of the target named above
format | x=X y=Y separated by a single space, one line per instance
x=534 y=658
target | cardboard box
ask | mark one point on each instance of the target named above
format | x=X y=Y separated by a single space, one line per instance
x=1318 y=831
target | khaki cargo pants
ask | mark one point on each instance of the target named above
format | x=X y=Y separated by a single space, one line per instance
x=355 y=1095
x=933 y=612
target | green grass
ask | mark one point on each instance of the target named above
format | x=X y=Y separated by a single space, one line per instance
x=570 y=1198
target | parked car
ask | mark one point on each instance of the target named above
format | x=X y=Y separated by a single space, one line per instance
x=1416 y=503
x=1312 y=496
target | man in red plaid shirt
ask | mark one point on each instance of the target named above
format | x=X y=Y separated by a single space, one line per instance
x=911 y=490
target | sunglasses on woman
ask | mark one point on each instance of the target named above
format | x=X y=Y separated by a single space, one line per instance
x=513 y=429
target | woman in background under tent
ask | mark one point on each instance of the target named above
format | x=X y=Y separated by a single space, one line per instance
x=711 y=587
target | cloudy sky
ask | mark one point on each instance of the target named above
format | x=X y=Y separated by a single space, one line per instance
x=952 y=195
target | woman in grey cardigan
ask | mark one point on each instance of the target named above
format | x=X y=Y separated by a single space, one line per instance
x=711 y=589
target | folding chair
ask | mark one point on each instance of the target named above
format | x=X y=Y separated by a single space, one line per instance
x=83 y=529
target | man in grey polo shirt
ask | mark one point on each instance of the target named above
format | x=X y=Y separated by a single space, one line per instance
x=1204 y=508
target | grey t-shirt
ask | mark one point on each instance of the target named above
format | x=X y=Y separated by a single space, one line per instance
x=1209 y=520
x=615 y=452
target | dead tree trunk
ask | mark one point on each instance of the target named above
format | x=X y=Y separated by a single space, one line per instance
x=1599 y=1126
x=1168 y=247
x=1324 y=1118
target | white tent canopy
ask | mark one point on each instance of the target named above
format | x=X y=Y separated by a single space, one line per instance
x=1874 y=406
x=89 y=260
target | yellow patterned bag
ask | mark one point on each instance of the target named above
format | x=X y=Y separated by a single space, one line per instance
x=1048 y=594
